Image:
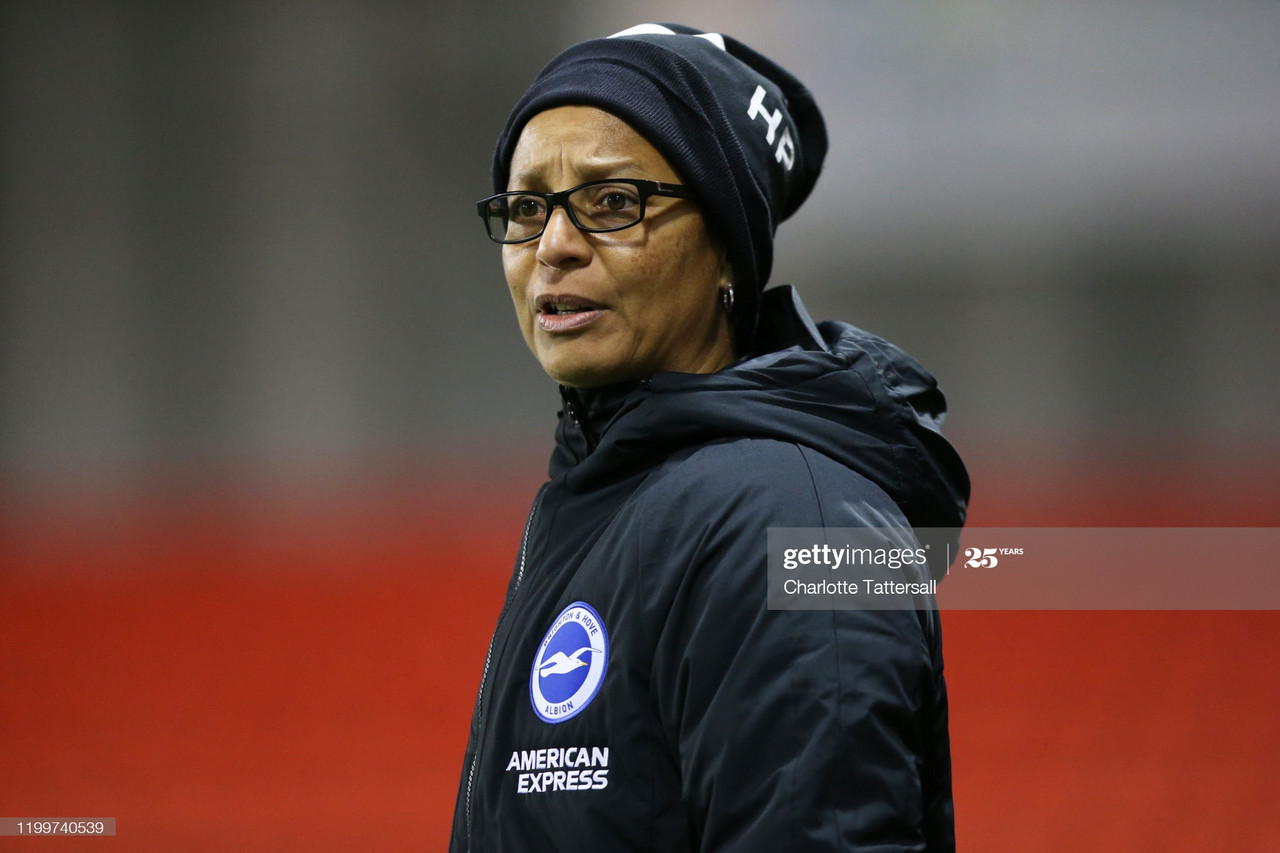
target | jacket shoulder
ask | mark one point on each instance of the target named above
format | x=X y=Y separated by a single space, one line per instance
x=767 y=480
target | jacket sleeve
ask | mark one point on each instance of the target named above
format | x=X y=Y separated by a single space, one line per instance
x=792 y=730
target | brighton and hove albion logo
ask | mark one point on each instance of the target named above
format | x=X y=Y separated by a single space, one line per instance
x=570 y=664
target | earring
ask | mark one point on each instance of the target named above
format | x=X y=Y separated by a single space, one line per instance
x=726 y=298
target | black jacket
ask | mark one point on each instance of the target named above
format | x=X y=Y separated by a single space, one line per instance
x=639 y=695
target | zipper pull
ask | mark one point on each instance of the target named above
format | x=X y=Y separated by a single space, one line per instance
x=574 y=410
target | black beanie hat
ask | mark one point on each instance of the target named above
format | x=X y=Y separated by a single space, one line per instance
x=739 y=129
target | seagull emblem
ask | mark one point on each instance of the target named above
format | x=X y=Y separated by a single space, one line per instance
x=560 y=663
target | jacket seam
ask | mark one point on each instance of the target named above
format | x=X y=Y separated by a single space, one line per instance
x=833 y=637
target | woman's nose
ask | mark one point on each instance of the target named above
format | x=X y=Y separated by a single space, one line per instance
x=561 y=242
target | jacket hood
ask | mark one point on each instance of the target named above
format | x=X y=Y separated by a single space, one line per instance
x=833 y=387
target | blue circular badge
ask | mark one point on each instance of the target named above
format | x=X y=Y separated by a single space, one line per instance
x=570 y=664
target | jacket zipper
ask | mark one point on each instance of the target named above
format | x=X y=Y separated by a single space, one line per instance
x=484 y=675
x=573 y=410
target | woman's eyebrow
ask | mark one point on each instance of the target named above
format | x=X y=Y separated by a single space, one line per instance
x=607 y=168
x=588 y=170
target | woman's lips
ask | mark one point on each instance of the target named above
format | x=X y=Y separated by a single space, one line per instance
x=566 y=312
x=568 y=322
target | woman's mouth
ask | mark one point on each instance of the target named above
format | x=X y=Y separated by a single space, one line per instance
x=563 y=313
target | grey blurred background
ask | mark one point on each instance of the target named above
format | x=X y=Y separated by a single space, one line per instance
x=240 y=236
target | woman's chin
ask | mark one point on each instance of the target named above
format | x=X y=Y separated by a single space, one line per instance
x=578 y=371
x=584 y=377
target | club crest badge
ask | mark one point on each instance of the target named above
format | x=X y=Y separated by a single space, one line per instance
x=570 y=664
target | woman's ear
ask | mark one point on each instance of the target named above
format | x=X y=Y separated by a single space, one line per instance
x=724 y=288
x=726 y=269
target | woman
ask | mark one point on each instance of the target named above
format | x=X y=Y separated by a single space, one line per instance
x=638 y=693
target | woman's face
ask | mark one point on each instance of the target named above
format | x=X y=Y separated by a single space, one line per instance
x=638 y=301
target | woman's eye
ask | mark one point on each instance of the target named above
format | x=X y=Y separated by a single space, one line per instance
x=617 y=201
x=526 y=208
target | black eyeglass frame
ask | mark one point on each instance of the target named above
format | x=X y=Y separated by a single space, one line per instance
x=644 y=190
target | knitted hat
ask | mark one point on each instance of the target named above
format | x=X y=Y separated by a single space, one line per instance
x=739 y=129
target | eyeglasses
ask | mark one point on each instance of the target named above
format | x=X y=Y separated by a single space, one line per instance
x=595 y=207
